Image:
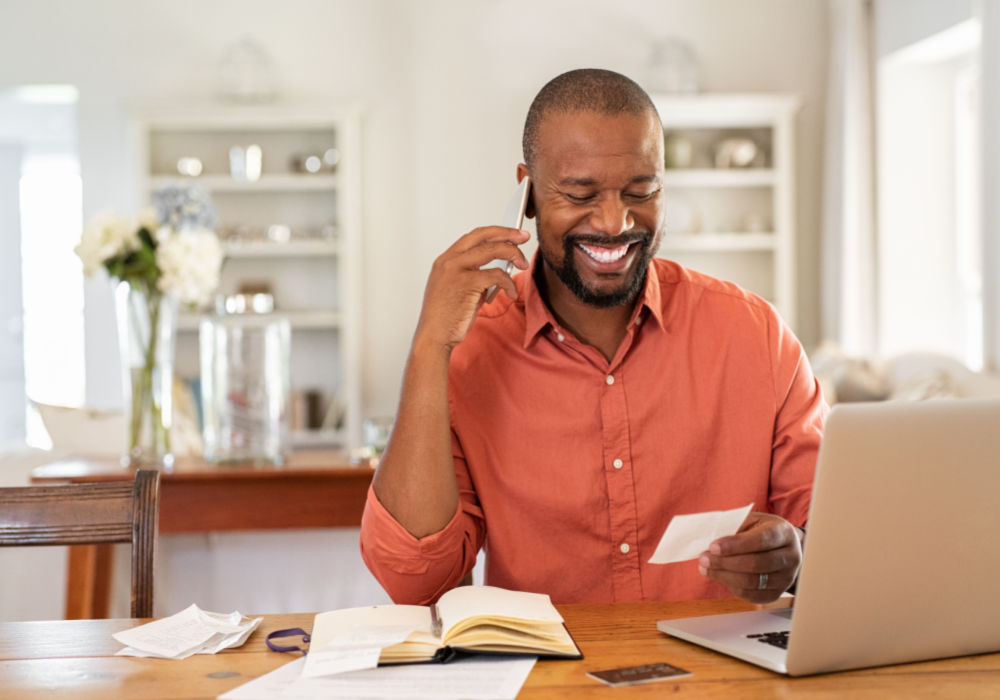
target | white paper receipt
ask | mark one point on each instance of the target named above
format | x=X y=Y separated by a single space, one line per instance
x=687 y=536
x=191 y=631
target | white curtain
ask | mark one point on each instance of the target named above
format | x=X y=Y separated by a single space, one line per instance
x=989 y=13
x=849 y=303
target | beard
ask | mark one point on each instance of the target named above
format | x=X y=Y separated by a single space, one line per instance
x=624 y=293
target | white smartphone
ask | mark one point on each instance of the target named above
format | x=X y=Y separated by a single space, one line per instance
x=513 y=217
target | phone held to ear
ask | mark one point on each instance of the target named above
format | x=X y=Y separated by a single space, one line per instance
x=513 y=217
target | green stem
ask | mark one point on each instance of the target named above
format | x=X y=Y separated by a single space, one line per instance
x=142 y=389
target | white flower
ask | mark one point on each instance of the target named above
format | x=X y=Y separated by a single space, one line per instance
x=147 y=219
x=106 y=236
x=189 y=263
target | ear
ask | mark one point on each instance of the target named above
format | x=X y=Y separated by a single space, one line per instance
x=522 y=172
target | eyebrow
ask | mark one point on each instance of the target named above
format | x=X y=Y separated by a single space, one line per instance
x=590 y=182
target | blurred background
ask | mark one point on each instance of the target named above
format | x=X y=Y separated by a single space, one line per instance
x=872 y=232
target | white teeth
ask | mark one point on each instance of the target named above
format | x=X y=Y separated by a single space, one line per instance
x=605 y=255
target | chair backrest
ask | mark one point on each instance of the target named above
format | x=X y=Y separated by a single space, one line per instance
x=91 y=513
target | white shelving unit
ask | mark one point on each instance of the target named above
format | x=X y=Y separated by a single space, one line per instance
x=314 y=275
x=735 y=223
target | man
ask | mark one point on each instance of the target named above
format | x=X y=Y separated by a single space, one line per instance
x=563 y=425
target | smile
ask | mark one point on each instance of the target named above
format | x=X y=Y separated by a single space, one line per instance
x=605 y=255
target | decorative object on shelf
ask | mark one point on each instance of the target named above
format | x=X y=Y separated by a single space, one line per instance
x=245 y=164
x=245 y=380
x=246 y=73
x=189 y=166
x=252 y=302
x=737 y=153
x=279 y=233
x=314 y=163
x=165 y=257
x=673 y=67
x=678 y=150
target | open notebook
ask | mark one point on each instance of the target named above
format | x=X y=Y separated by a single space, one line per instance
x=479 y=619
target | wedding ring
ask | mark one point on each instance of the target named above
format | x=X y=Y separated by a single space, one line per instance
x=762 y=582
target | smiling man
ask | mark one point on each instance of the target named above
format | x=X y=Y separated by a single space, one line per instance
x=563 y=425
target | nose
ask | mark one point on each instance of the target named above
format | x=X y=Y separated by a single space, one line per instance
x=611 y=216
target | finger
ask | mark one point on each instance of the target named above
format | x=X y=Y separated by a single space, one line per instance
x=496 y=277
x=762 y=535
x=747 y=586
x=484 y=234
x=485 y=252
x=759 y=563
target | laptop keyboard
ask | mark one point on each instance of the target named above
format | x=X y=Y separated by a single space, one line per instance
x=776 y=639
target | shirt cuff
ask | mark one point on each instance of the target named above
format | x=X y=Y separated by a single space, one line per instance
x=397 y=548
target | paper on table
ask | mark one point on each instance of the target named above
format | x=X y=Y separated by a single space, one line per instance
x=355 y=649
x=191 y=631
x=687 y=536
x=474 y=678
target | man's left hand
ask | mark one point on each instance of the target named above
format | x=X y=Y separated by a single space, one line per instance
x=759 y=562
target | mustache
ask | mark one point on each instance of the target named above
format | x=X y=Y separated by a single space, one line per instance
x=596 y=239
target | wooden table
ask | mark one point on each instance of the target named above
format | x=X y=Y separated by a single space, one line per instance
x=74 y=659
x=312 y=489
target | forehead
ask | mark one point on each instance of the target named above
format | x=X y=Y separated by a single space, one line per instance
x=593 y=143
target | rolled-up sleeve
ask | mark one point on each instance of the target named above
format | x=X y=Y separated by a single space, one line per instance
x=417 y=571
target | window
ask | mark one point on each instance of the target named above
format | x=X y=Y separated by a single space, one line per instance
x=45 y=281
x=929 y=252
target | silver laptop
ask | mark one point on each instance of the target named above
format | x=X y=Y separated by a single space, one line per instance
x=902 y=553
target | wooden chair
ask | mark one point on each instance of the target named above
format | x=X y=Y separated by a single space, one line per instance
x=94 y=513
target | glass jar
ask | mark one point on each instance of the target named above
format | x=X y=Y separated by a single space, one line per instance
x=245 y=380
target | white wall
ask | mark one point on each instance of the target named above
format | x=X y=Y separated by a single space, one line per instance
x=445 y=85
x=11 y=335
x=900 y=23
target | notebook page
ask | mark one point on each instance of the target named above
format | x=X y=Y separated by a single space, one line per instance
x=468 y=601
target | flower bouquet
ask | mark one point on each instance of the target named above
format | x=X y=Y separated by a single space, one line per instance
x=166 y=256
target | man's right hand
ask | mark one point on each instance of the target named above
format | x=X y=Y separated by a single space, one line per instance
x=415 y=480
x=456 y=287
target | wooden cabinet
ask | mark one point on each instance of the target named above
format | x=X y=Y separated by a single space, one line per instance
x=287 y=186
x=730 y=190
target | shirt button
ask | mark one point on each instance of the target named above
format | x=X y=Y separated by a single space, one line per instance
x=624 y=548
x=610 y=379
x=561 y=337
x=618 y=464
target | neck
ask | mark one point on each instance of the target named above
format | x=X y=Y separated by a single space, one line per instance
x=601 y=328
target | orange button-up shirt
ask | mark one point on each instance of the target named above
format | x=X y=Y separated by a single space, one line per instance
x=570 y=467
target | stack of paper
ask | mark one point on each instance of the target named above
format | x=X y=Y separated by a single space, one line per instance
x=474 y=678
x=191 y=631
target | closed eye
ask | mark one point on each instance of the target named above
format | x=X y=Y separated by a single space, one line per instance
x=642 y=196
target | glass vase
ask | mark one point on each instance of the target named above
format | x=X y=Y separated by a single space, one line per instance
x=245 y=381
x=147 y=328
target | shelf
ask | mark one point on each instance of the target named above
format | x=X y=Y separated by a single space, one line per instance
x=289 y=182
x=723 y=242
x=302 y=319
x=314 y=275
x=751 y=177
x=271 y=249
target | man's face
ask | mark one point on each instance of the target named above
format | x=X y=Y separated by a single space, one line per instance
x=598 y=197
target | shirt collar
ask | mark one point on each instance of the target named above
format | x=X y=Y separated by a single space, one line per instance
x=537 y=314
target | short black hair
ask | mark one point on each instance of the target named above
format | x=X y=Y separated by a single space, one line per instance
x=583 y=90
